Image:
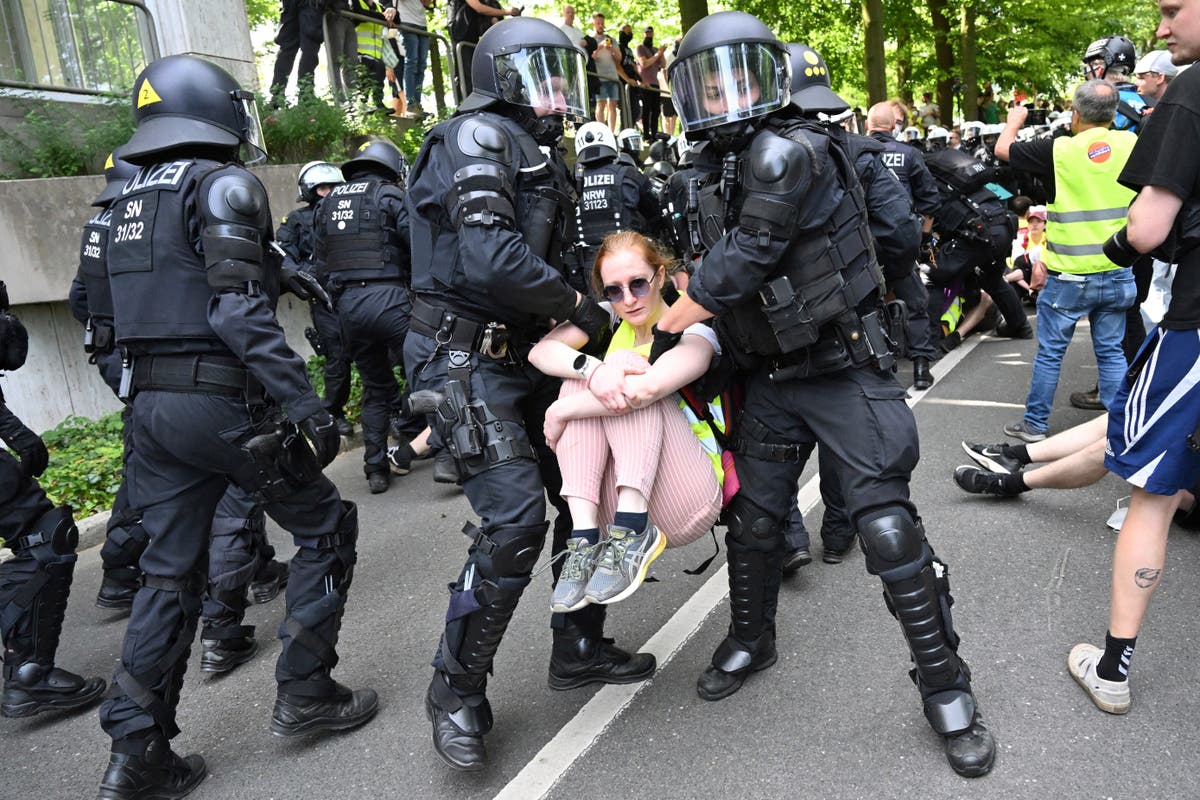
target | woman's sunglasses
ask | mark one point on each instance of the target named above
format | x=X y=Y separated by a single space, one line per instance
x=638 y=287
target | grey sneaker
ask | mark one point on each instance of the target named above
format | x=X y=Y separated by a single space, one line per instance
x=1110 y=696
x=570 y=593
x=625 y=557
x=1019 y=430
x=991 y=457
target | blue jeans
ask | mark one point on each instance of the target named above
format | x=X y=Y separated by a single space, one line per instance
x=416 y=48
x=1102 y=297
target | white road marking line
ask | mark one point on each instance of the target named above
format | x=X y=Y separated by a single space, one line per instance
x=941 y=401
x=537 y=778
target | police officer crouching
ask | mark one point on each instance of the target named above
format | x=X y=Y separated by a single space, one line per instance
x=361 y=250
x=296 y=236
x=489 y=200
x=795 y=289
x=36 y=582
x=613 y=196
x=218 y=397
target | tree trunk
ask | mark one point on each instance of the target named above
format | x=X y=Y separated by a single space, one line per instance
x=904 y=66
x=872 y=16
x=970 y=71
x=691 y=12
x=943 y=53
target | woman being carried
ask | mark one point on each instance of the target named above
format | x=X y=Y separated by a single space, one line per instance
x=625 y=445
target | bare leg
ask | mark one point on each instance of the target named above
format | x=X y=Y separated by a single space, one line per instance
x=420 y=444
x=1070 y=441
x=973 y=317
x=584 y=513
x=1138 y=560
x=631 y=500
x=1081 y=468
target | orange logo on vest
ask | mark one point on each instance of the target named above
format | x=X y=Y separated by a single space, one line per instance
x=1099 y=152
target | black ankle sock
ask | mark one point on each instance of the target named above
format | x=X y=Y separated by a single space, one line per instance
x=1014 y=484
x=406 y=450
x=1018 y=451
x=1114 y=664
x=592 y=535
x=635 y=522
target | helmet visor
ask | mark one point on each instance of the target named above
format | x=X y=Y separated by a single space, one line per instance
x=730 y=83
x=548 y=79
x=254 y=146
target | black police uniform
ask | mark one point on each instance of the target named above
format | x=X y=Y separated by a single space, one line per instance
x=488 y=215
x=36 y=582
x=295 y=235
x=301 y=28
x=795 y=288
x=361 y=249
x=613 y=197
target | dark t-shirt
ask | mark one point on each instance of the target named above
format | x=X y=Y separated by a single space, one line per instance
x=1166 y=155
x=1037 y=158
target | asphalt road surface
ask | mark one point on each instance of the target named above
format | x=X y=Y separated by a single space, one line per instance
x=836 y=717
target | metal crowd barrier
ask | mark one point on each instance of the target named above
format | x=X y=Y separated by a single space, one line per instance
x=435 y=61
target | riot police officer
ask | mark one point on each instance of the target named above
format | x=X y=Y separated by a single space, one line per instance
x=361 y=250
x=629 y=143
x=613 y=196
x=36 y=582
x=295 y=235
x=217 y=396
x=489 y=199
x=794 y=286
x=91 y=303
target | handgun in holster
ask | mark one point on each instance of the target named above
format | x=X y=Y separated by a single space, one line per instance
x=316 y=341
x=455 y=418
x=281 y=461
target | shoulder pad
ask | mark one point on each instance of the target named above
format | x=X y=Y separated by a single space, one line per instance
x=863 y=144
x=778 y=165
x=478 y=137
x=234 y=195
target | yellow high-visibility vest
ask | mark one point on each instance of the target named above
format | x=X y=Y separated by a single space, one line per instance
x=370 y=35
x=1089 y=205
x=623 y=339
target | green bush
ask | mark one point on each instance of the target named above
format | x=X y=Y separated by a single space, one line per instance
x=318 y=129
x=67 y=140
x=85 y=463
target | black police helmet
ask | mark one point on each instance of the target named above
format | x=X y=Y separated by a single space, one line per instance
x=811 y=90
x=661 y=170
x=1114 y=50
x=182 y=101
x=517 y=58
x=116 y=172
x=731 y=50
x=378 y=157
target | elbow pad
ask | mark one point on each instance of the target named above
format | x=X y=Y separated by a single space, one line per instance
x=483 y=196
x=235 y=214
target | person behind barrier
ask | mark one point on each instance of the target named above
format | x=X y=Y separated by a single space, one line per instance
x=302 y=29
x=218 y=397
x=36 y=582
x=814 y=341
x=628 y=450
x=489 y=200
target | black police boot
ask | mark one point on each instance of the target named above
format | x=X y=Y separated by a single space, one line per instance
x=972 y=752
x=922 y=376
x=732 y=664
x=269 y=581
x=218 y=656
x=118 y=588
x=444 y=468
x=577 y=659
x=459 y=724
x=297 y=715
x=143 y=767
x=378 y=482
x=31 y=688
x=793 y=560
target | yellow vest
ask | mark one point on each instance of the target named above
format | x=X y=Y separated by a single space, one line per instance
x=623 y=339
x=370 y=35
x=1089 y=205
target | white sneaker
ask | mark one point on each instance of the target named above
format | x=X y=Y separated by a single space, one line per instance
x=1110 y=696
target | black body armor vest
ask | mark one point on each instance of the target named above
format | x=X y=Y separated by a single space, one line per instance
x=360 y=238
x=600 y=210
x=93 y=266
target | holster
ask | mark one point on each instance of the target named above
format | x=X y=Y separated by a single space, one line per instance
x=316 y=341
x=280 y=460
x=98 y=336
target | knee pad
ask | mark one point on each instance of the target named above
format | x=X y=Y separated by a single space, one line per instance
x=893 y=543
x=54 y=535
x=749 y=526
x=507 y=551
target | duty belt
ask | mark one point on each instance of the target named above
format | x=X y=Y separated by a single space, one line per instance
x=455 y=332
x=203 y=373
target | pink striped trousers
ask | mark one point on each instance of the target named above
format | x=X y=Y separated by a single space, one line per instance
x=652 y=450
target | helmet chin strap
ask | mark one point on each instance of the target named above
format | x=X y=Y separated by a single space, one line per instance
x=546 y=131
x=731 y=137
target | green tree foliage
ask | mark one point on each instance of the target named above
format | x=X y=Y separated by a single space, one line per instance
x=262 y=12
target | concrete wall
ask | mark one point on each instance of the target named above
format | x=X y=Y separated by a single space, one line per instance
x=215 y=29
x=40 y=225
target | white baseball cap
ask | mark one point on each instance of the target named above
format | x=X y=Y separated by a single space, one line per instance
x=1156 y=61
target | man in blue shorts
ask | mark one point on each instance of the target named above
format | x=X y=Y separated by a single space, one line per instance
x=1153 y=431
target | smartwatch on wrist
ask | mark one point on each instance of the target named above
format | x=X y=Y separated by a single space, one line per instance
x=584 y=364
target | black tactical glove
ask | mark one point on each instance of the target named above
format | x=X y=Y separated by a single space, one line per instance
x=25 y=443
x=305 y=286
x=663 y=342
x=1119 y=251
x=322 y=432
x=591 y=319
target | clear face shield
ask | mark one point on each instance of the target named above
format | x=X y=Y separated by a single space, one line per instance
x=550 y=80
x=730 y=83
x=254 y=146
